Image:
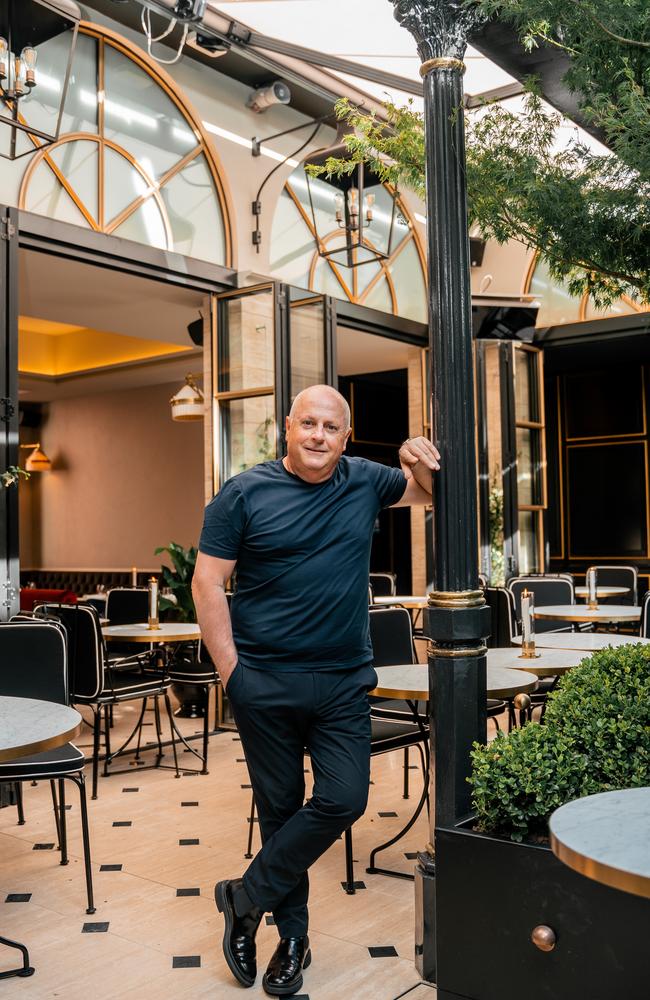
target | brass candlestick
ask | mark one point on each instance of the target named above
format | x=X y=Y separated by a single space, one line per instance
x=528 y=651
x=153 y=622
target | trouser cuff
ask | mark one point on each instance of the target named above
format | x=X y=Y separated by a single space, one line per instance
x=241 y=900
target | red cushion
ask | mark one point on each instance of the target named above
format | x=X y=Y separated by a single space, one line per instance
x=29 y=596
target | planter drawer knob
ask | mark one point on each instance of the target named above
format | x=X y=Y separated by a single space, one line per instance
x=543 y=937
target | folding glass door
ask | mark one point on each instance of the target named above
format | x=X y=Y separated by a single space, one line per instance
x=9 y=568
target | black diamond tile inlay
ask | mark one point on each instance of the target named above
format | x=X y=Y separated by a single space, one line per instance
x=188 y=892
x=189 y=774
x=189 y=803
x=385 y=815
x=110 y=868
x=123 y=822
x=130 y=789
x=18 y=897
x=189 y=841
x=385 y=951
x=355 y=885
x=247 y=786
x=68 y=807
x=270 y=920
x=43 y=847
x=186 y=962
x=236 y=739
x=411 y=855
x=240 y=760
x=98 y=928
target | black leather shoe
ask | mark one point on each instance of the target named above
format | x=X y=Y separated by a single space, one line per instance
x=239 y=934
x=284 y=974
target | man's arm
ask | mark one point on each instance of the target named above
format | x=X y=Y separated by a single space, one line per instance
x=208 y=590
x=419 y=458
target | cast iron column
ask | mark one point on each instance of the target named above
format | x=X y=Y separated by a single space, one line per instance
x=458 y=618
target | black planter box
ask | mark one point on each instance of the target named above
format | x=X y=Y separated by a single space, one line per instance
x=491 y=893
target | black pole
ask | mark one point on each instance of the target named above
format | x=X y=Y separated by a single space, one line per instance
x=458 y=618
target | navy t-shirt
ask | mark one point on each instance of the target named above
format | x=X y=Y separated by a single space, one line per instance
x=303 y=556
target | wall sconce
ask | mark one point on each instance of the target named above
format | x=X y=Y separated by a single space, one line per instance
x=188 y=402
x=25 y=25
x=38 y=460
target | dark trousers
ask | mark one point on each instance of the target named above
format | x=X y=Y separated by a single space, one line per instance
x=280 y=715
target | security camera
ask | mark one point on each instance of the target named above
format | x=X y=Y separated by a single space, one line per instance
x=274 y=93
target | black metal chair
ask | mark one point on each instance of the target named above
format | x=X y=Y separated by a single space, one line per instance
x=618 y=576
x=93 y=682
x=548 y=589
x=383 y=584
x=126 y=606
x=191 y=665
x=644 y=630
x=503 y=621
x=34 y=664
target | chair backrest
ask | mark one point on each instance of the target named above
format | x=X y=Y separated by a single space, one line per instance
x=86 y=651
x=34 y=660
x=548 y=589
x=391 y=635
x=618 y=576
x=502 y=605
x=644 y=631
x=126 y=605
x=383 y=584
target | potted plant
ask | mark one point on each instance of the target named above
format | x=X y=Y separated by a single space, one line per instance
x=496 y=877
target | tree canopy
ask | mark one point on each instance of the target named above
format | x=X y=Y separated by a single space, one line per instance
x=588 y=215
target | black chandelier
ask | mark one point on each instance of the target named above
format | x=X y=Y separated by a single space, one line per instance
x=354 y=215
x=37 y=41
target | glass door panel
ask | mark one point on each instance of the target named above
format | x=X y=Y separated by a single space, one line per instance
x=248 y=433
x=246 y=341
x=311 y=341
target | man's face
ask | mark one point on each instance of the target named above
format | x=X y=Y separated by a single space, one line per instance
x=316 y=435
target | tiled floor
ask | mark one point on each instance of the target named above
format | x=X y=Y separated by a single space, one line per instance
x=159 y=844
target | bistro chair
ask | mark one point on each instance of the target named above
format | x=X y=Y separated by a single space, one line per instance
x=548 y=589
x=192 y=665
x=34 y=664
x=618 y=576
x=383 y=584
x=644 y=630
x=126 y=606
x=93 y=682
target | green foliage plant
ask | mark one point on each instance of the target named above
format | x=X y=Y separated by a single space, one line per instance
x=179 y=581
x=12 y=475
x=595 y=738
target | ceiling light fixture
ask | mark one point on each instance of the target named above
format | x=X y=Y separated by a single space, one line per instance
x=188 y=403
x=37 y=461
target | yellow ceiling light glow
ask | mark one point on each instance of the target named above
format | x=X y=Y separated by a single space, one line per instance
x=57 y=349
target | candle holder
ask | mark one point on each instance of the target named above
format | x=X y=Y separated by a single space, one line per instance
x=592 y=591
x=528 y=626
x=528 y=651
x=153 y=622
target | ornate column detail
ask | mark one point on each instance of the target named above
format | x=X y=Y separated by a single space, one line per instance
x=440 y=28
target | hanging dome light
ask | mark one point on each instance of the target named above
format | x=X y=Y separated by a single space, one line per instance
x=188 y=402
x=37 y=460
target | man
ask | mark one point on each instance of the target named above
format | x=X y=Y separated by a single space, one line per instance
x=296 y=661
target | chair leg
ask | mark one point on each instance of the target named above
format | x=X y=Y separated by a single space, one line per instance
x=349 y=863
x=405 y=794
x=80 y=782
x=107 y=740
x=206 y=730
x=156 y=716
x=251 y=821
x=19 y=802
x=55 y=806
x=63 y=842
x=168 y=706
x=96 y=740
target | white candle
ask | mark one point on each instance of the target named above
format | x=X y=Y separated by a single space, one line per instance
x=153 y=602
x=591 y=586
x=134 y=576
x=527 y=607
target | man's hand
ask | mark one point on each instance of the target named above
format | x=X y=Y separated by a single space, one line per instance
x=415 y=450
x=225 y=671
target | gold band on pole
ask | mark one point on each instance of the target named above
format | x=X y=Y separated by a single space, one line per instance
x=456 y=653
x=442 y=62
x=456 y=599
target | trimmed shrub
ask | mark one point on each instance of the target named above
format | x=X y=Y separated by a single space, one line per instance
x=595 y=737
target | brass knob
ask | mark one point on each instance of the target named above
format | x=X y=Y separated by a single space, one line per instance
x=522 y=702
x=543 y=937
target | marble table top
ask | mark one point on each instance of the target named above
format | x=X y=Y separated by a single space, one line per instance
x=403 y=600
x=607 y=838
x=140 y=632
x=411 y=680
x=589 y=641
x=29 y=726
x=582 y=613
x=548 y=662
x=602 y=591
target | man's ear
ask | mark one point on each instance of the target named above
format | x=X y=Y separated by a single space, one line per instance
x=287 y=424
x=347 y=438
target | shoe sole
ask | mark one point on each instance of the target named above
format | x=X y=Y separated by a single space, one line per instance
x=224 y=906
x=287 y=991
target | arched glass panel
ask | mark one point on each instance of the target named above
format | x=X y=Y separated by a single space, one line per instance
x=556 y=305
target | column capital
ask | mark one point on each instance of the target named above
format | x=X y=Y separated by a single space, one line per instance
x=440 y=27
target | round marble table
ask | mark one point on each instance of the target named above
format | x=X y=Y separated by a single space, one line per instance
x=140 y=632
x=607 y=838
x=590 y=642
x=549 y=662
x=402 y=600
x=581 y=613
x=29 y=726
x=411 y=681
x=602 y=591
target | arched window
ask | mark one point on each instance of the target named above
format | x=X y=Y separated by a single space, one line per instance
x=132 y=159
x=558 y=307
x=396 y=285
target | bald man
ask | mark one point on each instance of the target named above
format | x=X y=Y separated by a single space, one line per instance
x=295 y=658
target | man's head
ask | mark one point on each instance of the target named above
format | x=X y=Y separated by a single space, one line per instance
x=317 y=431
